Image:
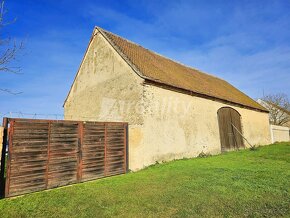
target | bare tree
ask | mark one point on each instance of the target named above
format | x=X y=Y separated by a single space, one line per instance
x=8 y=48
x=279 y=108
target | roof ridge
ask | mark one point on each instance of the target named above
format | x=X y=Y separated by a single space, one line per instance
x=100 y=28
x=121 y=53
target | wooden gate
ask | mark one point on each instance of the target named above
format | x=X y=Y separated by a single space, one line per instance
x=44 y=154
x=230 y=138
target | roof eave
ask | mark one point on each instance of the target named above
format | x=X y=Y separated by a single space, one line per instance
x=192 y=93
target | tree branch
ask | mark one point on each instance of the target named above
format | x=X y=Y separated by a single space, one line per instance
x=278 y=106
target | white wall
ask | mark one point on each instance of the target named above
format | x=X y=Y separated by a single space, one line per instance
x=279 y=133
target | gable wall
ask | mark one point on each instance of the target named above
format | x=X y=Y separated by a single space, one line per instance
x=107 y=89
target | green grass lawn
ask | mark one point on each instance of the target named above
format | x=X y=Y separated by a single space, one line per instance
x=243 y=183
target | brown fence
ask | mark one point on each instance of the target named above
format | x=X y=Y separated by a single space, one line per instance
x=1 y=138
x=44 y=154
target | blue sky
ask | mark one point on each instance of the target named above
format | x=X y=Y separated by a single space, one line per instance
x=244 y=42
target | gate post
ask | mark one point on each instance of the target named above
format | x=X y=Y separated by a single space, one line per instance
x=10 y=142
x=3 y=157
x=125 y=130
x=105 y=151
x=48 y=154
x=80 y=155
x=127 y=147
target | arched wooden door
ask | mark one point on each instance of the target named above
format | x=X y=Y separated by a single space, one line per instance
x=230 y=129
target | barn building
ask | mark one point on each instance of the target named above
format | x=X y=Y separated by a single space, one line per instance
x=173 y=111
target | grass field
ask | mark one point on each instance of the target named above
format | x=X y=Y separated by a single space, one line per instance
x=243 y=183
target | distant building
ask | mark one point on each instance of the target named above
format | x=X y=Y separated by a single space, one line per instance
x=173 y=111
x=281 y=113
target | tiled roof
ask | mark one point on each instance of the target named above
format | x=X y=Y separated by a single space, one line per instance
x=157 y=68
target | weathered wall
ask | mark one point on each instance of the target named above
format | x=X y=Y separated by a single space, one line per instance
x=280 y=134
x=177 y=125
x=107 y=89
x=163 y=125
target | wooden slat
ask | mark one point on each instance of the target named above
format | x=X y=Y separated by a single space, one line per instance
x=93 y=158
x=93 y=164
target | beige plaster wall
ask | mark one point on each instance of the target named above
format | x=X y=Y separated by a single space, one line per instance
x=177 y=125
x=107 y=89
x=163 y=125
